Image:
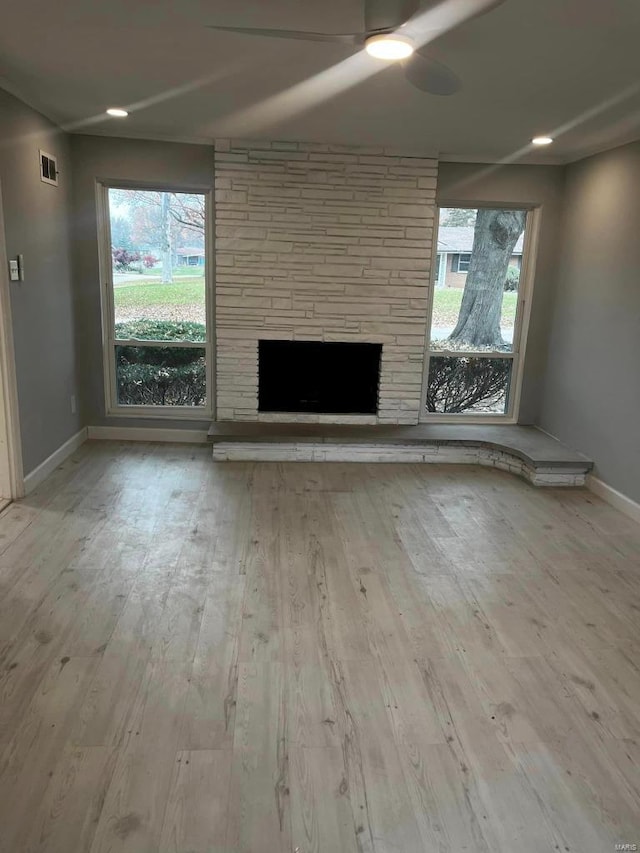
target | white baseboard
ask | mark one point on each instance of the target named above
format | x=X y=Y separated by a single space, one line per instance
x=35 y=477
x=183 y=436
x=614 y=497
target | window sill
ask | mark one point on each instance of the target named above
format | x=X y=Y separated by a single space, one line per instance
x=435 y=418
x=185 y=413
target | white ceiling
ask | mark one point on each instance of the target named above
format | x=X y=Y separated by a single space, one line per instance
x=566 y=67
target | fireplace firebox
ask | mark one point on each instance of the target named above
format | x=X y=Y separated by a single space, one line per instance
x=313 y=376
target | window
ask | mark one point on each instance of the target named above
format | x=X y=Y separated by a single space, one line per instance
x=462 y=262
x=474 y=351
x=156 y=302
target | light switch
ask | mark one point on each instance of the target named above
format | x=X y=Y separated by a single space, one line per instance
x=14 y=270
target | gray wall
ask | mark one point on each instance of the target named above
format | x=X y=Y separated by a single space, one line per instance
x=540 y=186
x=100 y=158
x=583 y=353
x=592 y=386
x=37 y=226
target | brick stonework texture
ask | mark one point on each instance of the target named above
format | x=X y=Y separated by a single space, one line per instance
x=321 y=243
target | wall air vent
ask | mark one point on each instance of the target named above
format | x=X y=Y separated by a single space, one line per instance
x=48 y=168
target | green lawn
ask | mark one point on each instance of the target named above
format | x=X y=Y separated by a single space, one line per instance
x=446 y=306
x=181 y=291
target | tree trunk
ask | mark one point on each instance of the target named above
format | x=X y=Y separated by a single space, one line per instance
x=495 y=236
x=167 y=260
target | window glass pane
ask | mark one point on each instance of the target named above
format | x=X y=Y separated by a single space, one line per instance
x=474 y=307
x=160 y=376
x=463 y=263
x=468 y=384
x=160 y=330
x=158 y=264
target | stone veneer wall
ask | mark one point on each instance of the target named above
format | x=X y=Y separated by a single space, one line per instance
x=321 y=242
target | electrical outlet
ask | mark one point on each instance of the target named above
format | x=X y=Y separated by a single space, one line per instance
x=74 y=407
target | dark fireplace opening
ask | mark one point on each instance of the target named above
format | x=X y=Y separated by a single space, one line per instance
x=312 y=376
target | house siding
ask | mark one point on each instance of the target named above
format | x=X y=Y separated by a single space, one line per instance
x=458 y=279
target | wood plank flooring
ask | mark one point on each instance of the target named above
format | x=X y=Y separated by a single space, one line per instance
x=255 y=658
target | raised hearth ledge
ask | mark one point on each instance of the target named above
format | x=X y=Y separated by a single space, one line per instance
x=522 y=450
x=442 y=454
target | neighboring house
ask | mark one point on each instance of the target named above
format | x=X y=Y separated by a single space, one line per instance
x=455 y=243
x=190 y=256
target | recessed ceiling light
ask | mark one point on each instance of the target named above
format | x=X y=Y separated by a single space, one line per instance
x=542 y=140
x=389 y=47
x=117 y=112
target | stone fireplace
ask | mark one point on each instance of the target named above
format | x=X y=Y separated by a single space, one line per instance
x=326 y=244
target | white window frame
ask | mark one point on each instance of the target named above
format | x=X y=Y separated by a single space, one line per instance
x=112 y=407
x=11 y=470
x=459 y=257
x=440 y=269
x=521 y=327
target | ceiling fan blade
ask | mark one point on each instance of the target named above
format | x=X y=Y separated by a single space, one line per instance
x=385 y=15
x=429 y=75
x=296 y=35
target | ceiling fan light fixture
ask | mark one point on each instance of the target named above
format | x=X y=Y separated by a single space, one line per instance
x=117 y=112
x=389 y=46
x=541 y=140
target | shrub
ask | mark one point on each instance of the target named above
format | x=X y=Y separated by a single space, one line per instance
x=458 y=383
x=161 y=330
x=513 y=279
x=149 y=261
x=144 y=383
x=122 y=259
x=157 y=375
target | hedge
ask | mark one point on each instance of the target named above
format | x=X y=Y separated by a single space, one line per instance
x=459 y=383
x=157 y=375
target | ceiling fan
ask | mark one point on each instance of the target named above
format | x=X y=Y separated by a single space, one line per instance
x=397 y=30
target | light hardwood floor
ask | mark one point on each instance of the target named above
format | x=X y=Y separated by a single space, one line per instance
x=202 y=657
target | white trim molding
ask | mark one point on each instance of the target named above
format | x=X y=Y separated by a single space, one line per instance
x=35 y=477
x=109 y=339
x=613 y=497
x=520 y=330
x=10 y=441
x=177 y=436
